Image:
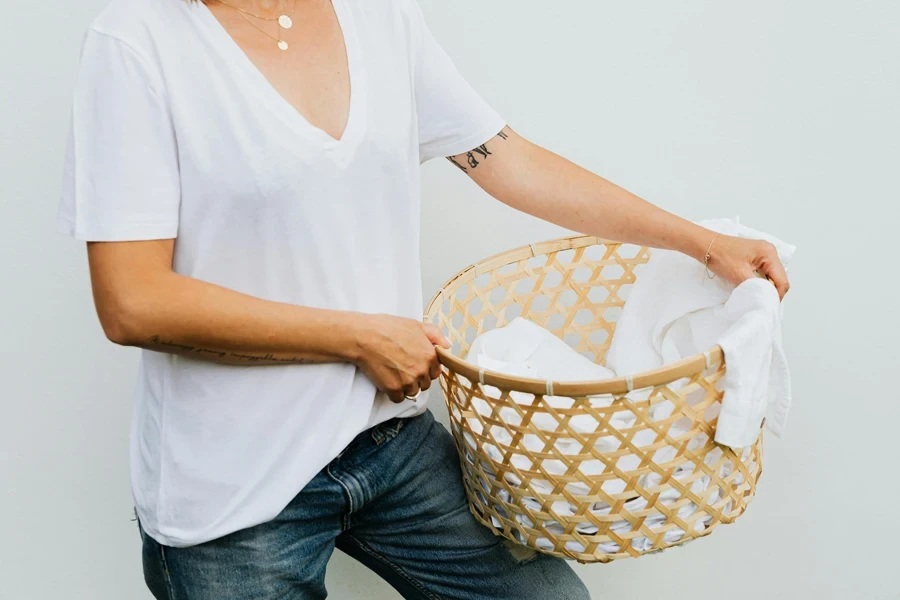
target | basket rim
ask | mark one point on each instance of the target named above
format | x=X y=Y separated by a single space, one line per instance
x=665 y=374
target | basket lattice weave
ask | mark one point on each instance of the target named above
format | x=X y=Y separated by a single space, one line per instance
x=517 y=480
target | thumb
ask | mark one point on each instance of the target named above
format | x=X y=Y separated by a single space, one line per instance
x=435 y=336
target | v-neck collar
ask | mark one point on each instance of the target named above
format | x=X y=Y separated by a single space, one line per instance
x=354 y=128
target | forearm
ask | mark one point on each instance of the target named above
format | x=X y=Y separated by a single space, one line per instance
x=212 y=323
x=160 y=310
x=545 y=185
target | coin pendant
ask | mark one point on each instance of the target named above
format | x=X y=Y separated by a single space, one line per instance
x=283 y=45
x=285 y=22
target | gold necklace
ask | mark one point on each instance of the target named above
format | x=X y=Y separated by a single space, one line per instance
x=285 y=21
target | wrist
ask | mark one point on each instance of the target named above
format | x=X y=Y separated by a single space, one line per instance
x=357 y=328
x=697 y=243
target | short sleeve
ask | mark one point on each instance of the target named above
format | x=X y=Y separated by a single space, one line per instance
x=452 y=117
x=121 y=179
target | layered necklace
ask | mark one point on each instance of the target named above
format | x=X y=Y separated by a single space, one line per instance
x=285 y=21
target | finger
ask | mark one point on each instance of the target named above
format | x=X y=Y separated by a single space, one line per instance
x=411 y=391
x=396 y=396
x=435 y=370
x=435 y=336
x=775 y=272
x=424 y=382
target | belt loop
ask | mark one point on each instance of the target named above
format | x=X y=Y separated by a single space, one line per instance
x=377 y=435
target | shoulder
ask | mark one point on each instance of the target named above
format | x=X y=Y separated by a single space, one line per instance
x=140 y=24
x=394 y=18
x=129 y=38
x=384 y=10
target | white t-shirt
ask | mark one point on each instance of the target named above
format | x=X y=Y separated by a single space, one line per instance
x=176 y=134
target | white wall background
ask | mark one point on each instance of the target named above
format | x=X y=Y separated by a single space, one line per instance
x=785 y=112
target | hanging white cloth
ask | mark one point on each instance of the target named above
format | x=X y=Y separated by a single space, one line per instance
x=675 y=311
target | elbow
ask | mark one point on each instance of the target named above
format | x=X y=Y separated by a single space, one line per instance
x=127 y=281
x=117 y=331
x=122 y=323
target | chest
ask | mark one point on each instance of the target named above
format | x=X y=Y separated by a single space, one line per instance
x=305 y=62
x=260 y=129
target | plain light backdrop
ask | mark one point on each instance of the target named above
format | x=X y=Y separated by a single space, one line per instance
x=782 y=112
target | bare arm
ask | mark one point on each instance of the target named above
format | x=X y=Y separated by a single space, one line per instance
x=142 y=302
x=545 y=185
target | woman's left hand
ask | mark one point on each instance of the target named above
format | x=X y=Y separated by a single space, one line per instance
x=737 y=259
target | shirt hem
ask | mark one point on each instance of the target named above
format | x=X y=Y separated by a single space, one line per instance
x=117 y=232
x=485 y=133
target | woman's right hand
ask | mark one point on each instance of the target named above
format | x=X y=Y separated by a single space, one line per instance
x=399 y=354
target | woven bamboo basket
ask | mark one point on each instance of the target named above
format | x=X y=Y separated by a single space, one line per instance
x=647 y=477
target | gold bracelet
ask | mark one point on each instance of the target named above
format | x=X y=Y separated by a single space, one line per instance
x=706 y=258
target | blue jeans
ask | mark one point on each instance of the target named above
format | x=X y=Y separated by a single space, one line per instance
x=394 y=501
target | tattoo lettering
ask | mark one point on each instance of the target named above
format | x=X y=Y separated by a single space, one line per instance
x=270 y=358
x=252 y=358
x=477 y=155
x=157 y=340
x=453 y=160
x=482 y=150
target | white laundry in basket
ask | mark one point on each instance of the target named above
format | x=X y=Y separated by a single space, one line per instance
x=525 y=349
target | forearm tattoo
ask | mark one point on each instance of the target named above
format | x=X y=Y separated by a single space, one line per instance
x=477 y=155
x=183 y=349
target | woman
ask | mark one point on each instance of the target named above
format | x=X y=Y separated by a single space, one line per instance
x=246 y=175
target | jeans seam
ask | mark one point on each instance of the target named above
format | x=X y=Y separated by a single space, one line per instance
x=345 y=521
x=395 y=567
x=165 y=566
